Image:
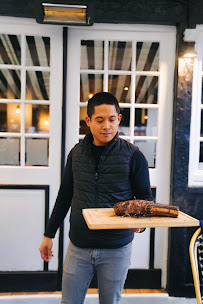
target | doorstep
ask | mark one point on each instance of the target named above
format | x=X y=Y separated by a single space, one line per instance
x=129 y=296
x=90 y=291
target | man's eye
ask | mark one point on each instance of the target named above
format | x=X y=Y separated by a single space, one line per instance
x=99 y=121
x=112 y=120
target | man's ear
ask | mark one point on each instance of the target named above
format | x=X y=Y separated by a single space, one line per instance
x=119 y=118
x=87 y=120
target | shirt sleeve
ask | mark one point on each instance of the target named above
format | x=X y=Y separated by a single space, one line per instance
x=140 y=177
x=63 y=200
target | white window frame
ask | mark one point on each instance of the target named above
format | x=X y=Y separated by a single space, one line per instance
x=195 y=169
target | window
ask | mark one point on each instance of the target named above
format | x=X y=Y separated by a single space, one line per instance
x=195 y=174
x=130 y=71
x=24 y=100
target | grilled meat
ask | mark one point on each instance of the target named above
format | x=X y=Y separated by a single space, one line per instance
x=145 y=208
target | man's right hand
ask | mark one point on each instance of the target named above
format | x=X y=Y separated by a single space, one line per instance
x=45 y=249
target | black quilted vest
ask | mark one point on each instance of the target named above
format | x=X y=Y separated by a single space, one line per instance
x=100 y=189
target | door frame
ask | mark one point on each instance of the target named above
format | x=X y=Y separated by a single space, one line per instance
x=167 y=37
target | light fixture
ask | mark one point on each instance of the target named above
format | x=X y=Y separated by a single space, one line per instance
x=64 y=14
x=126 y=88
x=17 y=110
x=90 y=95
x=189 y=51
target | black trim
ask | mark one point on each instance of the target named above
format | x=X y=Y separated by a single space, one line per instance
x=28 y=281
x=139 y=278
x=151 y=248
x=63 y=157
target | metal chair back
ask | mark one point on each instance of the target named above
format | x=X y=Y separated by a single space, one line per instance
x=196 y=259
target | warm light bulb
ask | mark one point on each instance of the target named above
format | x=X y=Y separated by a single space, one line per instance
x=17 y=110
x=90 y=95
x=46 y=122
x=126 y=89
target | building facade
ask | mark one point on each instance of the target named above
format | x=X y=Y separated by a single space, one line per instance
x=47 y=73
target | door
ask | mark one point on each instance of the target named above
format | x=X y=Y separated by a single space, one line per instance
x=30 y=147
x=136 y=64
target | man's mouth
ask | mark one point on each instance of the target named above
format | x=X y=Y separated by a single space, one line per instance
x=106 y=134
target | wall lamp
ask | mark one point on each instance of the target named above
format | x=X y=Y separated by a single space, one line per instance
x=65 y=14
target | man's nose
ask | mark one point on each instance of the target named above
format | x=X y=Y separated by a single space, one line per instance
x=106 y=124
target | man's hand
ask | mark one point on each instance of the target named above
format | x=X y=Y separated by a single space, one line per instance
x=138 y=230
x=45 y=249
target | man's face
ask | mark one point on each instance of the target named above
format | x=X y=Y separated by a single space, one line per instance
x=104 y=124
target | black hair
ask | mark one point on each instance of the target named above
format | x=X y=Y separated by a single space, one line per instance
x=99 y=99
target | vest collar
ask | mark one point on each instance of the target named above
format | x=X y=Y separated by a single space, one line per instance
x=89 y=139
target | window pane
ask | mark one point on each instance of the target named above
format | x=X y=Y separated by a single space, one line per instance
x=10 y=117
x=37 y=51
x=36 y=151
x=92 y=55
x=202 y=92
x=148 y=148
x=201 y=124
x=90 y=84
x=83 y=128
x=119 y=86
x=10 y=84
x=147 y=56
x=201 y=153
x=10 y=151
x=10 y=49
x=120 y=55
x=145 y=122
x=36 y=118
x=124 y=127
x=146 y=89
x=37 y=85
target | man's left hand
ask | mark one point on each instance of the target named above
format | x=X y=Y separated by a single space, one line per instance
x=138 y=230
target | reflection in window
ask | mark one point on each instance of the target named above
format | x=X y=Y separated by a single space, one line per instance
x=146 y=89
x=124 y=127
x=10 y=84
x=37 y=85
x=90 y=84
x=201 y=153
x=92 y=55
x=147 y=56
x=36 y=118
x=37 y=51
x=10 y=117
x=119 y=86
x=10 y=49
x=83 y=128
x=148 y=148
x=145 y=122
x=36 y=151
x=120 y=55
x=202 y=92
x=9 y=151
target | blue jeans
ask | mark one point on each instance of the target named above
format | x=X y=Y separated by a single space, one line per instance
x=110 y=265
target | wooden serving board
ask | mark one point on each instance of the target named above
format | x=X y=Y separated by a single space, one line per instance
x=105 y=218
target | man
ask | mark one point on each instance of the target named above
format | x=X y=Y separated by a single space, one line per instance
x=100 y=171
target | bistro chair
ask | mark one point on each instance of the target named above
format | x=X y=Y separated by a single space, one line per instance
x=196 y=259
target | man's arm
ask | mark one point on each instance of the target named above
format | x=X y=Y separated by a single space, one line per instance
x=61 y=207
x=63 y=201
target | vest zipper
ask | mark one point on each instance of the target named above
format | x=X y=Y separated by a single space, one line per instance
x=96 y=187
